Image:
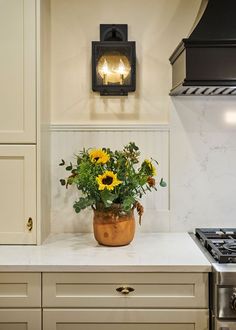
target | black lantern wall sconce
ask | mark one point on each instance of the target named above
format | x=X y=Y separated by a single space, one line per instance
x=113 y=61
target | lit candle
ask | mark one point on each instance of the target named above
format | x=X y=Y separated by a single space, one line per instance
x=121 y=71
x=105 y=72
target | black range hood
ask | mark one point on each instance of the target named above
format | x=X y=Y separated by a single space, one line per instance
x=205 y=62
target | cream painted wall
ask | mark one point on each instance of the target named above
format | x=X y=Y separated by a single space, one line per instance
x=156 y=25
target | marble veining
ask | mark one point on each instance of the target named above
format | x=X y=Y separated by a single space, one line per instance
x=203 y=162
x=80 y=252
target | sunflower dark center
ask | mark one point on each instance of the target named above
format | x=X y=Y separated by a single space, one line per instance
x=107 y=180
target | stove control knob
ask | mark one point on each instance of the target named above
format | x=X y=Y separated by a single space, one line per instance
x=233 y=301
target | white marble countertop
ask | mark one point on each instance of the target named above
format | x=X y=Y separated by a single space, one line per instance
x=161 y=252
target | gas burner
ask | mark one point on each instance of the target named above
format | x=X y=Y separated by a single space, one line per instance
x=220 y=242
x=230 y=247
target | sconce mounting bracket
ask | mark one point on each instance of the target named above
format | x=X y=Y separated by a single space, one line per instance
x=113 y=32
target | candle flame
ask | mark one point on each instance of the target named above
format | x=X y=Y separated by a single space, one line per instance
x=121 y=67
x=105 y=68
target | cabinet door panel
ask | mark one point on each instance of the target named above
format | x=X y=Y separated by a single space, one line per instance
x=119 y=319
x=17 y=67
x=20 y=319
x=17 y=194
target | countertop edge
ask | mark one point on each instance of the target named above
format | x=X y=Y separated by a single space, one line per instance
x=108 y=269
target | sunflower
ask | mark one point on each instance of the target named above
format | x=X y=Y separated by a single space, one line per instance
x=108 y=180
x=150 y=167
x=99 y=156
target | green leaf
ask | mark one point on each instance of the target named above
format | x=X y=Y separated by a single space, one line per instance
x=69 y=168
x=142 y=180
x=62 y=163
x=133 y=146
x=63 y=182
x=82 y=203
x=128 y=203
x=163 y=183
x=108 y=197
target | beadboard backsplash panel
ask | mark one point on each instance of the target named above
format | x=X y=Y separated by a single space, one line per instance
x=66 y=141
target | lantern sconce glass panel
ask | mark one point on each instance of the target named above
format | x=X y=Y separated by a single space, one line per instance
x=113 y=61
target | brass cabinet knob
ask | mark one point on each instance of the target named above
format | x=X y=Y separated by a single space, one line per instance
x=29 y=224
x=125 y=289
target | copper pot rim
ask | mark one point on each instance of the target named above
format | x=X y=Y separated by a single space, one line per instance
x=114 y=208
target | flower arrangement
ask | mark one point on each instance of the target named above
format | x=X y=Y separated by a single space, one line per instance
x=107 y=177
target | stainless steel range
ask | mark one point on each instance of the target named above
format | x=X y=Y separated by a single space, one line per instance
x=220 y=244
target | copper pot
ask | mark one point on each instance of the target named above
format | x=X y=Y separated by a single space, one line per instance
x=112 y=227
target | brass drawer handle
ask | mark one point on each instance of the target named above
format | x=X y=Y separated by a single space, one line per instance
x=125 y=289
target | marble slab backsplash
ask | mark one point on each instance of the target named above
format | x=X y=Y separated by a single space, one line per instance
x=202 y=162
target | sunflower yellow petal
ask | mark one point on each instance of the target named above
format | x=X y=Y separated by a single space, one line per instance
x=99 y=156
x=108 y=180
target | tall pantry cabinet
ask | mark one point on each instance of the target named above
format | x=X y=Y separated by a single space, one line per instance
x=23 y=123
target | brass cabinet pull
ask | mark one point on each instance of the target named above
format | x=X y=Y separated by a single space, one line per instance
x=29 y=224
x=125 y=289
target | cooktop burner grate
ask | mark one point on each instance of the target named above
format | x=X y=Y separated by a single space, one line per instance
x=220 y=242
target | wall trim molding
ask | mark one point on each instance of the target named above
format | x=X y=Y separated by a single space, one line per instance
x=109 y=128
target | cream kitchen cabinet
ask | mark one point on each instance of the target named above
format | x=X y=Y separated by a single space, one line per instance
x=81 y=286
x=125 y=301
x=156 y=303
x=18 y=122
x=18 y=194
x=23 y=161
x=20 y=301
x=18 y=71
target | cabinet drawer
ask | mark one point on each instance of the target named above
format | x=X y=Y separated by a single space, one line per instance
x=151 y=290
x=117 y=319
x=20 y=319
x=20 y=290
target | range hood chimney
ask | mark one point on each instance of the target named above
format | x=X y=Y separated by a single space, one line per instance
x=205 y=62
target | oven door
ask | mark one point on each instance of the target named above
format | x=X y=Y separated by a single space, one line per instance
x=226 y=308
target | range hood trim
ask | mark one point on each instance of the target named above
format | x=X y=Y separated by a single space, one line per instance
x=203 y=90
x=186 y=43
